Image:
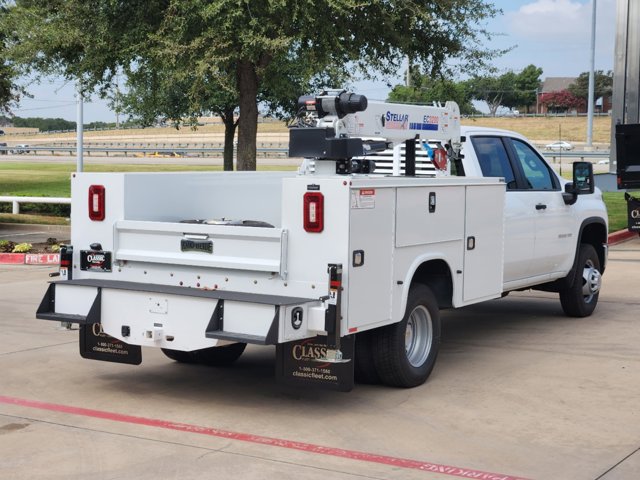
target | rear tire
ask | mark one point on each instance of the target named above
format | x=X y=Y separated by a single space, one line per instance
x=219 y=356
x=405 y=352
x=581 y=297
x=364 y=367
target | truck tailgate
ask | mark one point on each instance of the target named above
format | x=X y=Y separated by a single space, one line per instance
x=220 y=246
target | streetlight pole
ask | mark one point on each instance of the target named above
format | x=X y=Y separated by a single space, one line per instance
x=591 y=77
x=79 y=131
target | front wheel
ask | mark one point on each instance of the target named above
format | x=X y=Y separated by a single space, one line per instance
x=581 y=297
x=405 y=352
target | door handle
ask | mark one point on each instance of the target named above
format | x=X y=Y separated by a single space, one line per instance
x=541 y=206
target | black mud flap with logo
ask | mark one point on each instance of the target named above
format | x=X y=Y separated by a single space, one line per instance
x=97 y=345
x=300 y=363
x=633 y=212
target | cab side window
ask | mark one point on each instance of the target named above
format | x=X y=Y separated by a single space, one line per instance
x=493 y=159
x=537 y=174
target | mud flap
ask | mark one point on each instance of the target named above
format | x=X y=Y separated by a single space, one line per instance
x=297 y=364
x=97 y=345
x=633 y=212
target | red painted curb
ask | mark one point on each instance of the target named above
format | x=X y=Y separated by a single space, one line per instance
x=621 y=236
x=42 y=258
x=29 y=258
x=12 y=258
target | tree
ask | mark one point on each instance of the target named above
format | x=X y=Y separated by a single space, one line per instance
x=491 y=89
x=603 y=85
x=239 y=44
x=527 y=85
x=180 y=97
x=426 y=90
x=10 y=91
x=510 y=90
x=559 y=102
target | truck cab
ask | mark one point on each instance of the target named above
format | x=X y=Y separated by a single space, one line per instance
x=544 y=230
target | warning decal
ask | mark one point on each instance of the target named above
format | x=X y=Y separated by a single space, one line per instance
x=363 y=198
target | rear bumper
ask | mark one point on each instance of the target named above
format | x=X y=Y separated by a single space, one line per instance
x=180 y=318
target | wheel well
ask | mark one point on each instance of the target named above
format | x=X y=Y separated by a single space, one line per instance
x=436 y=275
x=595 y=234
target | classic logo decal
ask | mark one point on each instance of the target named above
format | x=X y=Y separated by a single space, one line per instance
x=95 y=260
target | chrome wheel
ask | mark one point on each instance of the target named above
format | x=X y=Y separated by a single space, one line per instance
x=418 y=336
x=591 y=281
x=580 y=297
x=405 y=353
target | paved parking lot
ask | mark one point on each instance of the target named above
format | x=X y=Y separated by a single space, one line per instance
x=519 y=391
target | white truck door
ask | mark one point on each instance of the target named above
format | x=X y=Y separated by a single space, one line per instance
x=519 y=221
x=554 y=222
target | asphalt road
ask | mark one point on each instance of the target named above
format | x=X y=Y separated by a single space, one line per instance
x=519 y=391
x=19 y=233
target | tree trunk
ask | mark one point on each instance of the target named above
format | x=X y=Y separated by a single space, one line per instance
x=248 y=123
x=229 y=135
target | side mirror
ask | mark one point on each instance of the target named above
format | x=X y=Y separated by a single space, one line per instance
x=582 y=182
x=583 y=178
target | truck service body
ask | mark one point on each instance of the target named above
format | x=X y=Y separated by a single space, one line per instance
x=343 y=265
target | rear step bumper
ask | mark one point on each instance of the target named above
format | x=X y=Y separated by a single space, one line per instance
x=216 y=324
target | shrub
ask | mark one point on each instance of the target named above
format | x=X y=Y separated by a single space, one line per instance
x=6 y=246
x=22 y=248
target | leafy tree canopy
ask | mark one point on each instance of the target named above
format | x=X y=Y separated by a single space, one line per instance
x=243 y=48
x=426 y=90
x=10 y=91
x=603 y=84
x=510 y=89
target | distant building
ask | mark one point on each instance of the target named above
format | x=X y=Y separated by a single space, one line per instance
x=560 y=84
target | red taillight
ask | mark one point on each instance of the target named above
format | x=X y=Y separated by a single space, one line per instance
x=96 y=202
x=313 y=212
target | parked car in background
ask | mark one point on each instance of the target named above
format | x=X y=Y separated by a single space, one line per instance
x=558 y=146
x=604 y=162
x=20 y=148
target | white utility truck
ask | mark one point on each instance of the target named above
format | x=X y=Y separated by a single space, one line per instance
x=396 y=213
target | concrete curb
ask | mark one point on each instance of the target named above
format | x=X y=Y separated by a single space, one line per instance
x=54 y=258
x=621 y=236
x=29 y=258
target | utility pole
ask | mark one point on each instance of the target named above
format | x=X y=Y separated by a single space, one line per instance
x=592 y=77
x=79 y=131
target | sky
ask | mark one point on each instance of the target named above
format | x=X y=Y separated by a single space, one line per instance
x=552 y=34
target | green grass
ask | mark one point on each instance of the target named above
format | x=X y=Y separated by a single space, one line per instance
x=617 y=210
x=53 y=179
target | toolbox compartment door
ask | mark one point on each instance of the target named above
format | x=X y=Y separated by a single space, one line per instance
x=233 y=247
x=484 y=242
